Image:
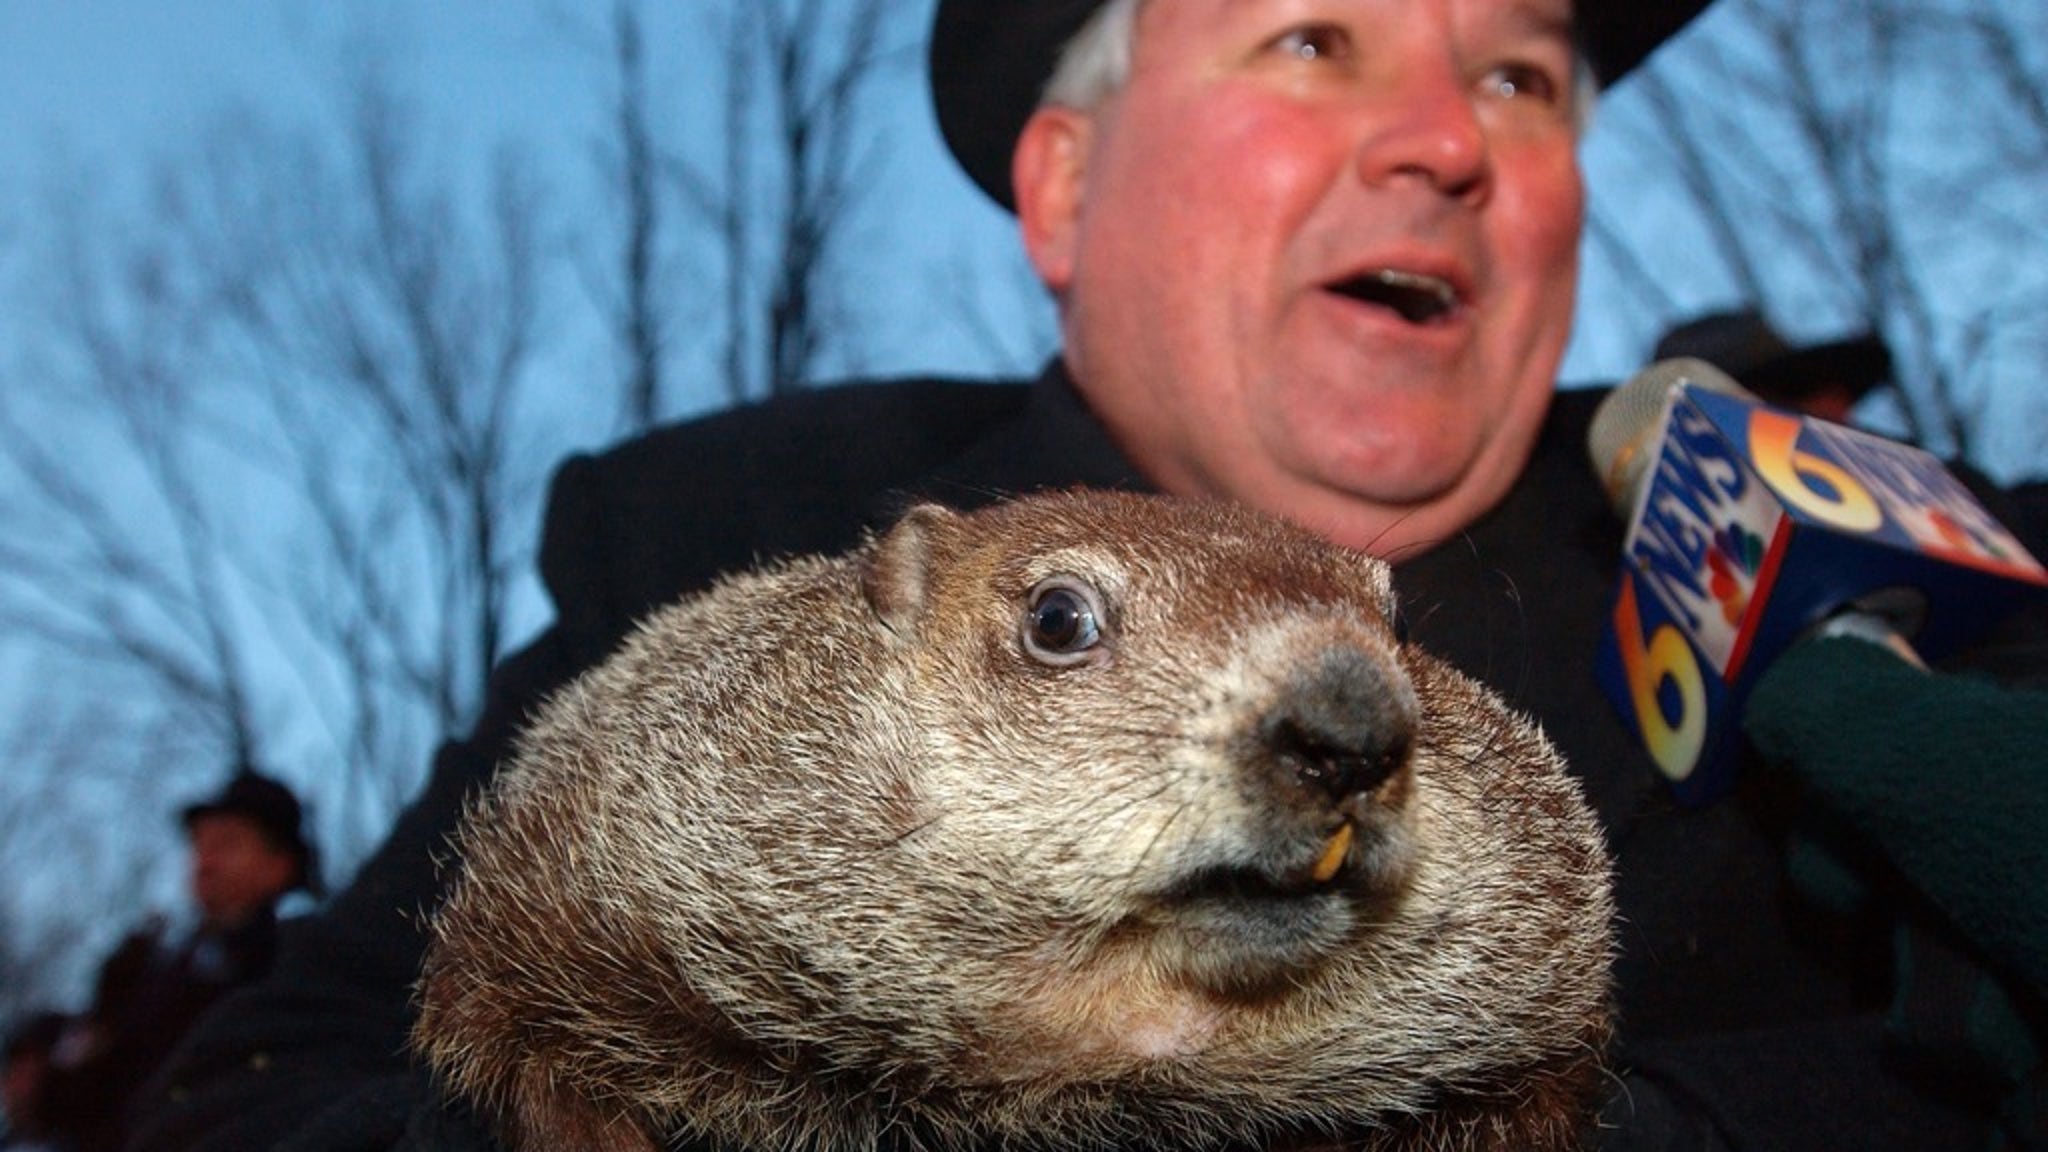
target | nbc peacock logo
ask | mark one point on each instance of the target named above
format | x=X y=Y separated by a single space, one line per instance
x=1732 y=565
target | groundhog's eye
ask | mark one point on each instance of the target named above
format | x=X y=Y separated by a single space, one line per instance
x=1062 y=621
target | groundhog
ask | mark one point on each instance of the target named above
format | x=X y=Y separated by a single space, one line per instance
x=1081 y=821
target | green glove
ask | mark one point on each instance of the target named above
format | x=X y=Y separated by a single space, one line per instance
x=1946 y=776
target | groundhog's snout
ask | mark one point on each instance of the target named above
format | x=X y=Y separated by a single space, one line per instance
x=1325 y=773
x=1343 y=727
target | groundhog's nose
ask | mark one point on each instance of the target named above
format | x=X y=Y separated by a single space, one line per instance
x=1342 y=726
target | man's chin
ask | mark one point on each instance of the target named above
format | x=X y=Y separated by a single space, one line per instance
x=1397 y=521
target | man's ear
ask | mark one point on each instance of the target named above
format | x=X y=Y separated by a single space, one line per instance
x=1048 y=169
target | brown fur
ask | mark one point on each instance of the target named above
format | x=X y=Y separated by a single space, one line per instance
x=825 y=858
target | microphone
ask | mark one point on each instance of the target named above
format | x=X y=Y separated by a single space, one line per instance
x=1749 y=527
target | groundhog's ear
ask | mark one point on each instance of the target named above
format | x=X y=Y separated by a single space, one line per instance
x=895 y=574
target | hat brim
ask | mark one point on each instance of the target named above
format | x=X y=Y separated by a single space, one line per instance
x=1857 y=364
x=990 y=60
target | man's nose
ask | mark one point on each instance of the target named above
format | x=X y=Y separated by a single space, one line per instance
x=1428 y=129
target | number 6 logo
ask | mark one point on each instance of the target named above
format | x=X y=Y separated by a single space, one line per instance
x=1675 y=742
x=1814 y=484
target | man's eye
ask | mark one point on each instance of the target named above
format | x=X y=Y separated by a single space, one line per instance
x=1315 y=42
x=1523 y=82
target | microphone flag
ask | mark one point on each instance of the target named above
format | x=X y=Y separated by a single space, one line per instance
x=1753 y=524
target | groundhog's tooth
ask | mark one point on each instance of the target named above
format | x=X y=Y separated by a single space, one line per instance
x=1333 y=854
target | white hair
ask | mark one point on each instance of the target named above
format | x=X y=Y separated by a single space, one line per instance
x=1097 y=61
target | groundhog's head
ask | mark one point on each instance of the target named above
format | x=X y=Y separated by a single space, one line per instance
x=1084 y=820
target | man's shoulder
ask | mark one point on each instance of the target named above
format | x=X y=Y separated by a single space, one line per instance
x=884 y=426
x=800 y=456
x=667 y=511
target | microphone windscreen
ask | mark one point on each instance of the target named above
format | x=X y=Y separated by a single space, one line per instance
x=1623 y=435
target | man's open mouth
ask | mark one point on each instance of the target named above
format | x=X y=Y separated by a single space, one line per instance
x=1413 y=296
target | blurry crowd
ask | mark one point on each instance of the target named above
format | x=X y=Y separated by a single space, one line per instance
x=70 y=1078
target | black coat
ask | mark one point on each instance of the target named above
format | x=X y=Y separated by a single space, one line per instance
x=1747 y=1021
x=149 y=992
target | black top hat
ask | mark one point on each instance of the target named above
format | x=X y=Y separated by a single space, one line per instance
x=990 y=60
x=1743 y=344
x=272 y=808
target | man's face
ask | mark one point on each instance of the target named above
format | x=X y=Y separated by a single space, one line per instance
x=235 y=869
x=1319 y=255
